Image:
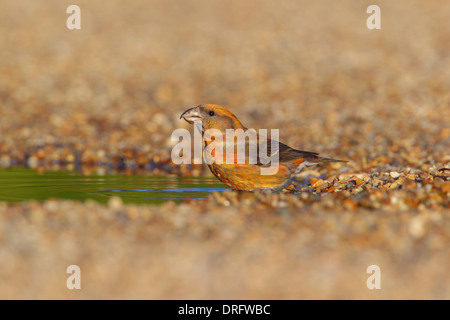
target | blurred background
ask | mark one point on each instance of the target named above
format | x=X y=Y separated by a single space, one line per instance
x=112 y=93
x=115 y=89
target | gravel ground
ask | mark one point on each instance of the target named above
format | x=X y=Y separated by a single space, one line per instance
x=112 y=92
x=257 y=247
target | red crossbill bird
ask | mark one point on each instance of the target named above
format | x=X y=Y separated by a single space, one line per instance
x=247 y=175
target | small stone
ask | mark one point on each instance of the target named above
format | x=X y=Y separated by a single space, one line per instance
x=317 y=184
x=351 y=184
x=115 y=203
x=417 y=228
x=394 y=174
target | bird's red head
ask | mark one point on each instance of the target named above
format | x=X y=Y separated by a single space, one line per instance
x=212 y=117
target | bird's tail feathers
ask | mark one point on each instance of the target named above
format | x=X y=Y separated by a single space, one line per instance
x=320 y=160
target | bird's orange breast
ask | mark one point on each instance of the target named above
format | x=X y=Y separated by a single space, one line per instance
x=248 y=176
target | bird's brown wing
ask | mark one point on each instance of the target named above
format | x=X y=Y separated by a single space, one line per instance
x=287 y=154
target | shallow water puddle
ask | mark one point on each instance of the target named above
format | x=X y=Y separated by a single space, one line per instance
x=25 y=184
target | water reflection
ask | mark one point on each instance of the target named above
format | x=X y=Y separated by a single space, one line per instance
x=26 y=184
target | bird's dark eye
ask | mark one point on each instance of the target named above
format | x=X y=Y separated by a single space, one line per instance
x=211 y=113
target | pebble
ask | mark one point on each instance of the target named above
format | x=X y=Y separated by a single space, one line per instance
x=394 y=174
x=115 y=203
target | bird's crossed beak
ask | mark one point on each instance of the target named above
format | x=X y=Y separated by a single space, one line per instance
x=191 y=115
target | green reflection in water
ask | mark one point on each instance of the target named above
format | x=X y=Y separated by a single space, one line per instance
x=26 y=184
